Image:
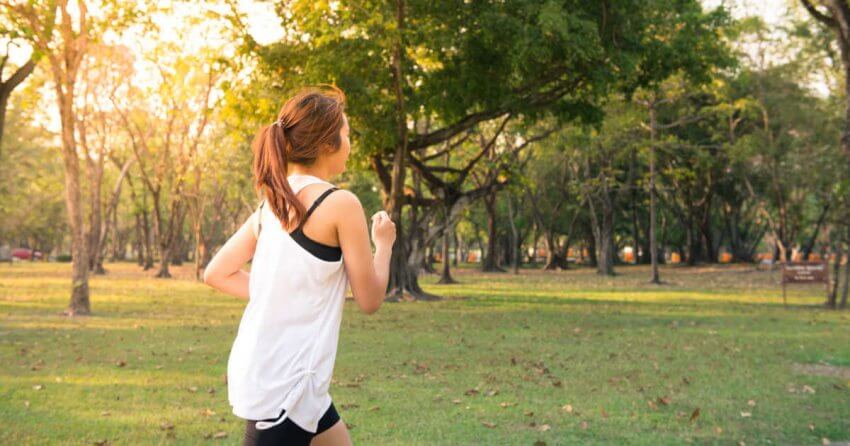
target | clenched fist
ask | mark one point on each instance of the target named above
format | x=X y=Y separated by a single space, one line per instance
x=383 y=230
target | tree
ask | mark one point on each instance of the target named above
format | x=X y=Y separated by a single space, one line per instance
x=63 y=38
x=451 y=64
x=835 y=15
x=167 y=153
x=684 y=41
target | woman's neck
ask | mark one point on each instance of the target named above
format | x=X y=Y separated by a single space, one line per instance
x=315 y=171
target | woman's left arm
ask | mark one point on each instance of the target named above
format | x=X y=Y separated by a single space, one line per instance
x=224 y=272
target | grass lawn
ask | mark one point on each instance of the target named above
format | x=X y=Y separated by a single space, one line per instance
x=555 y=358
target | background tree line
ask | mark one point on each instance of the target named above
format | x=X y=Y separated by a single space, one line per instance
x=579 y=127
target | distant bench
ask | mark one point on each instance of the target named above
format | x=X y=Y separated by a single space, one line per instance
x=5 y=254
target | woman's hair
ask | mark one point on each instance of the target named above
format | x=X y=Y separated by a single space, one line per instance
x=308 y=125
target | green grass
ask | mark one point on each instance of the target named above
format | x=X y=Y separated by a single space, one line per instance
x=711 y=338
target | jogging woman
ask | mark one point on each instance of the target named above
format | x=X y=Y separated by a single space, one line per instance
x=307 y=242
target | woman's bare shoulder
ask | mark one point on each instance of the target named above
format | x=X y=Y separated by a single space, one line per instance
x=344 y=202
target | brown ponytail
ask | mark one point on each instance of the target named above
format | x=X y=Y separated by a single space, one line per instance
x=307 y=126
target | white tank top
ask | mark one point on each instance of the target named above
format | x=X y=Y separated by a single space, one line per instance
x=283 y=356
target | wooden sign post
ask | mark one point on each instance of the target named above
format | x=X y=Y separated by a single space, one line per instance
x=803 y=272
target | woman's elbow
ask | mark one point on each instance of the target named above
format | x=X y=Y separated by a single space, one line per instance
x=372 y=309
x=372 y=306
x=209 y=277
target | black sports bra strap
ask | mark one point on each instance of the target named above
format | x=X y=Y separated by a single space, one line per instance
x=315 y=205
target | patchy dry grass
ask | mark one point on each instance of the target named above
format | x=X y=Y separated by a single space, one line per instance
x=558 y=357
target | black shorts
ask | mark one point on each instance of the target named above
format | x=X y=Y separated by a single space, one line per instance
x=287 y=433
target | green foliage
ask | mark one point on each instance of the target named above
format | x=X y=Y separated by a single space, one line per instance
x=461 y=58
x=32 y=201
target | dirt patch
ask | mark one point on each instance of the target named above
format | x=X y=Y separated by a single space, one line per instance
x=823 y=370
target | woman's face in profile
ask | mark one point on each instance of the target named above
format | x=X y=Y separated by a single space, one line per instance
x=339 y=158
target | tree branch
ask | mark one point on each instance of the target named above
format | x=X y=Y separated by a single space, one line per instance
x=826 y=19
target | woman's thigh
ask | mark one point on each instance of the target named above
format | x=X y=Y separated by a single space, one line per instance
x=337 y=435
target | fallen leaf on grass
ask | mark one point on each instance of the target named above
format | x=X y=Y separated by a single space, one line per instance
x=105 y=413
x=220 y=434
x=349 y=406
x=544 y=427
x=38 y=387
x=695 y=414
x=420 y=367
x=567 y=408
x=120 y=363
x=505 y=404
x=584 y=424
x=651 y=404
x=751 y=403
x=471 y=392
x=192 y=389
x=746 y=415
x=456 y=401
x=101 y=443
x=488 y=424
x=374 y=408
x=808 y=389
x=663 y=400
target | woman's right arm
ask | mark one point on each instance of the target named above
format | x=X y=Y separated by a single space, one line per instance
x=367 y=275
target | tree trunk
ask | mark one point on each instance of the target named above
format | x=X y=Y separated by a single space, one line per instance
x=489 y=264
x=846 y=286
x=457 y=250
x=140 y=243
x=200 y=246
x=634 y=197
x=836 y=271
x=553 y=258
x=591 y=251
x=694 y=245
x=653 y=247
x=514 y=238
x=446 y=276
x=807 y=248
x=79 y=303
x=146 y=228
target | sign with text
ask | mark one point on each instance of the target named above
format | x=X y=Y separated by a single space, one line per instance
x=804 y=272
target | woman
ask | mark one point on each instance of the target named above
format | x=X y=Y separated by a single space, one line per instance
x=307 y=242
